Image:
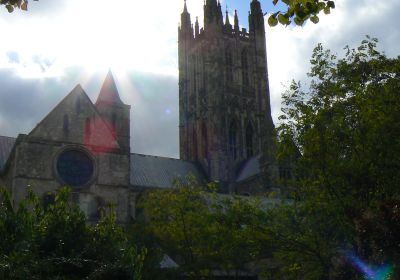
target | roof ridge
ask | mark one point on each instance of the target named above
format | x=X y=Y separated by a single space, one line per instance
x=4 y=136
x=139 y=154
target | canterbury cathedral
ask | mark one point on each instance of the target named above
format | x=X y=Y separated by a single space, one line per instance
x=225 y=127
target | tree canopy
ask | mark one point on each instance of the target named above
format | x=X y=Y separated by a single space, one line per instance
x=15 y=4
x=204 y=231
x=53 y=241
x=346 y=128
x=299 y=11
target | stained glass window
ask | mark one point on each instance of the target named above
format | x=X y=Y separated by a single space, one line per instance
x=75 y=168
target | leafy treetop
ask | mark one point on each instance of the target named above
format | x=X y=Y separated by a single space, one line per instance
x=13 y=4
x=299 y=11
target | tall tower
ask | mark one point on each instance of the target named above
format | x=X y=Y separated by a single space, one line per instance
x=224 y=101
x=115 y=112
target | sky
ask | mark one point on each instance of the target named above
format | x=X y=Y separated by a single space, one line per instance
x=47 y=51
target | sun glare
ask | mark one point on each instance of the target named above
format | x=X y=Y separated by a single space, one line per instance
x=135 y=35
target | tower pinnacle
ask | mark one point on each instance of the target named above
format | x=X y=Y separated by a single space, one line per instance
x=236 y=21
x=185 y=7
x=109 y=93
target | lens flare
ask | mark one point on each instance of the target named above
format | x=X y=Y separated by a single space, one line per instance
x=383 y=272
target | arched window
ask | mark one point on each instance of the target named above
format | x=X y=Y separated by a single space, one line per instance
x=78 y=105
x=194 y=78
x=245 y=68
x=204 y=140
x=233 y=140
x=249 y=140
x=195 y=155
x=88 y=128
x=114 y=121
x=204 y=72
x=66 y=125
x=229 y=68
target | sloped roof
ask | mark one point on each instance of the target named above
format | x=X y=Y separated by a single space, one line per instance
x=250 y=168
x=6 y=145
x=161 y=172
x=109 y=93
x=51 y=126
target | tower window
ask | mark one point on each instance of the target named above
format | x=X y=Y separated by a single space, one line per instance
x=228 y=61
x=88 y=128
x=78 y=105
x=204 y=140
x=204 y=74
x=233 y=140
x=245 y=68
x=113 y=120
x=195 y=156
x=194 y=80
x=66 y=125
x=249 y=140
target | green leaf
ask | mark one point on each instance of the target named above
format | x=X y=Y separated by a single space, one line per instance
x=283 y=19
x=272 y=21
x=10 y=8
x=298 y=20
x=327 y=10
x=314 y=19
x=331 y=4
x=321 y=6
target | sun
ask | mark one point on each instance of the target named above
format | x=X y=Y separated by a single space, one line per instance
x=96 y=35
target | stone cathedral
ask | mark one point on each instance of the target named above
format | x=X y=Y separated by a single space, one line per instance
x=226 y=129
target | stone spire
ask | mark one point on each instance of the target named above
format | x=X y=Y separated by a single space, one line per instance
x=185 y=18
x=196 y=27
x=256 y=17
x=185 y=7
x=109 y=93
x=220 y=17
x=210 y=12
x=236 y=21
x=227 y=23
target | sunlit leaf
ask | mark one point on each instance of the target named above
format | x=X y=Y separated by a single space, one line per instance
x=272 y=21
x=24 y=6
x=314 y=19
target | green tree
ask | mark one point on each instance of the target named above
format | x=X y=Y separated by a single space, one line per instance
x=11 y=5
x=299 y=11
x=204 y=231
x=54 y=242
x=346 y=127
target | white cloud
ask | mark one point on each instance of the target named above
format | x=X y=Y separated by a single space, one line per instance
x=290 y=48
x=54 y=37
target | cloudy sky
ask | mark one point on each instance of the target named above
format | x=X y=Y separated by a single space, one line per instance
x=46 y=51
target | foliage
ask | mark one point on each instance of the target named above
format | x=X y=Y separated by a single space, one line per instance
x=202 y=230
x=54 y=242
x=347 y=130
x=300 y=11
x=11 y=5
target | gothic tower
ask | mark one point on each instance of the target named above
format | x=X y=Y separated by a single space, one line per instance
x=115 y=112
x=224 y=101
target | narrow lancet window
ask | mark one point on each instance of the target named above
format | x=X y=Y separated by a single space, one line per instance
x=249 y=140
x=66 y=125
x=245 y=68
x=233 y=140
x=88 y=128
x=78 y=105
x=229 y=68
x=204 y=140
